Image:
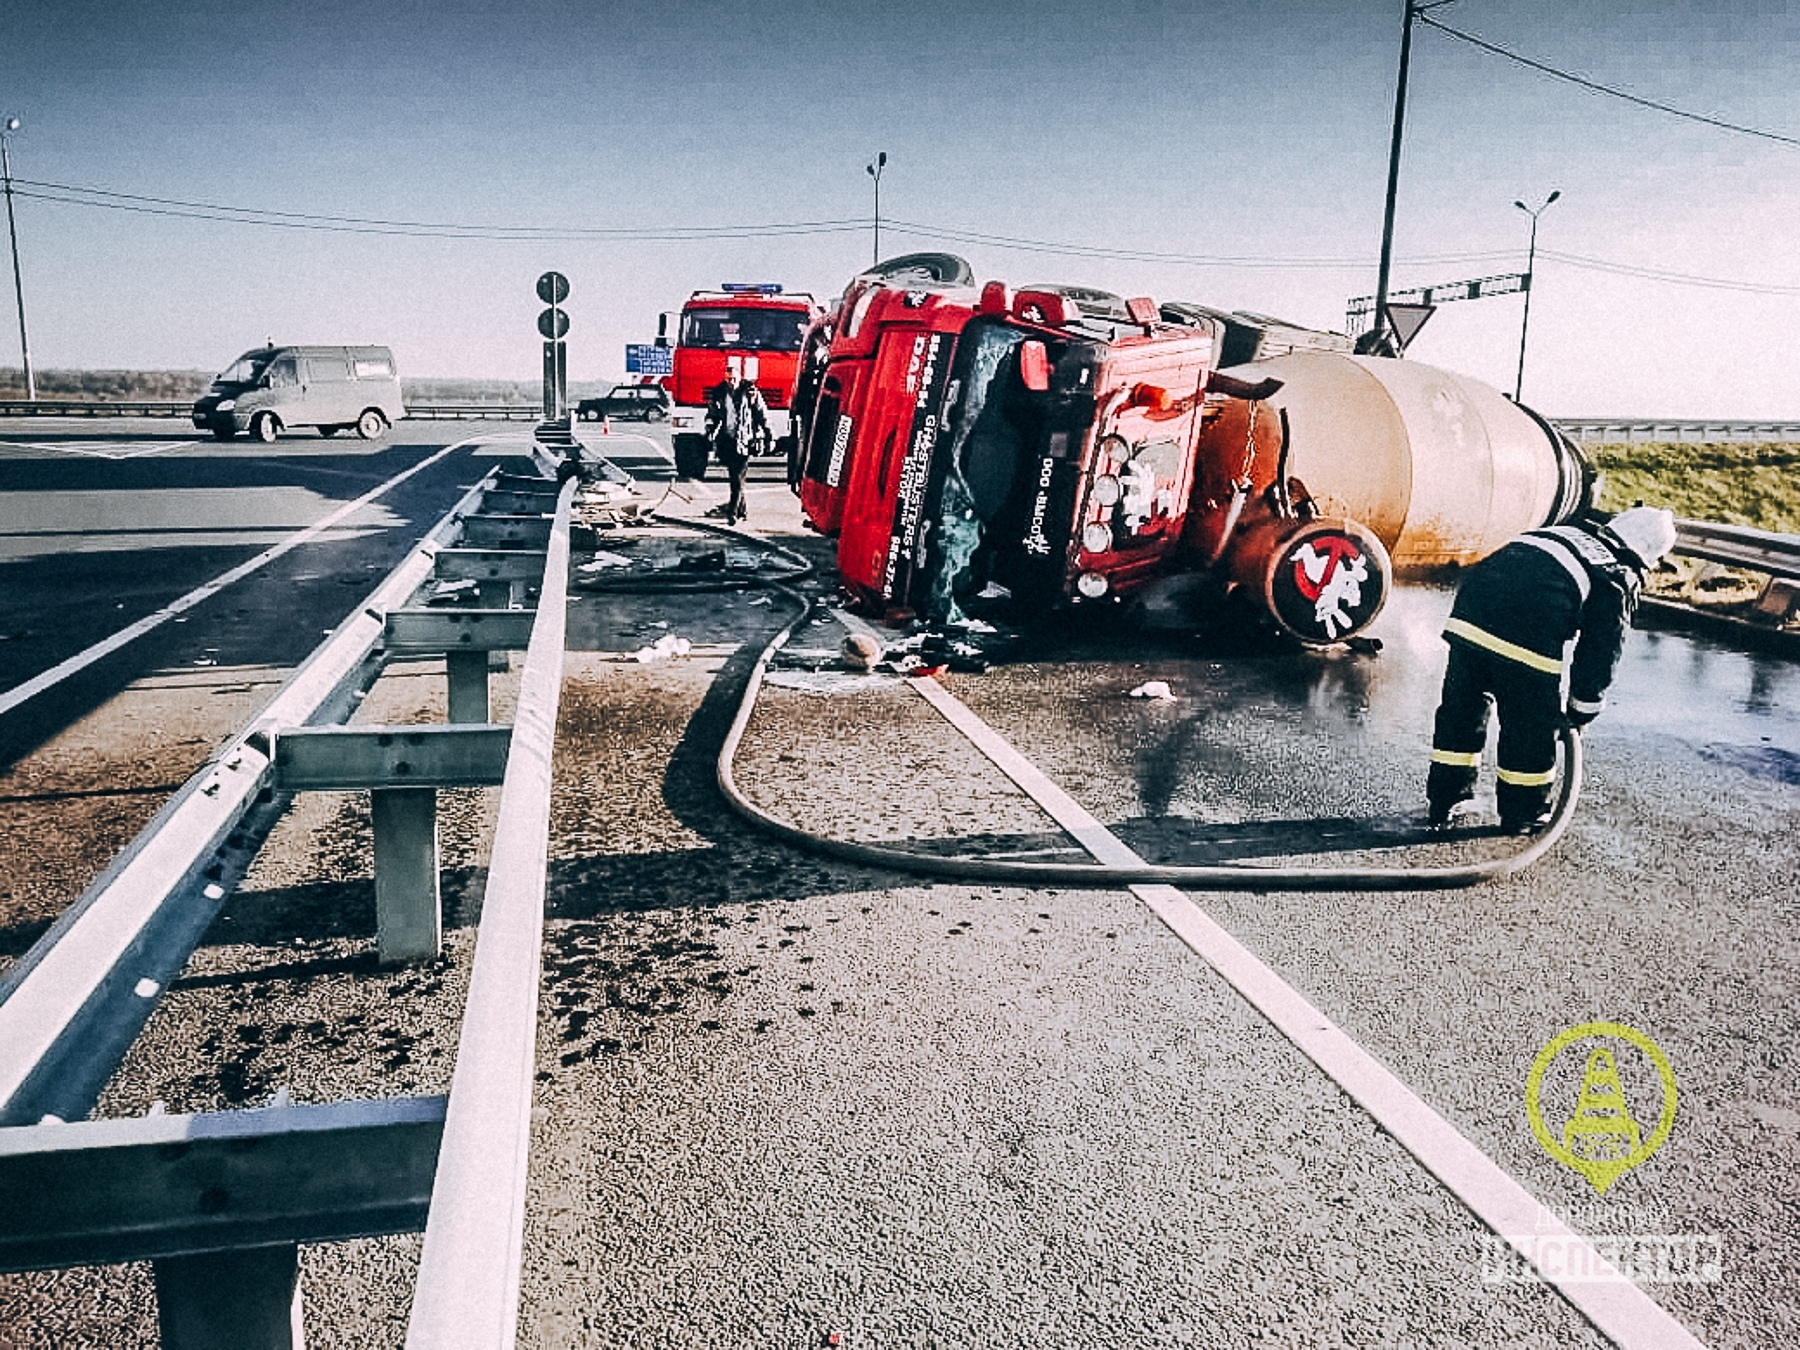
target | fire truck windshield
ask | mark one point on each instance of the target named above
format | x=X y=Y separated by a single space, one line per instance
x=734 y=329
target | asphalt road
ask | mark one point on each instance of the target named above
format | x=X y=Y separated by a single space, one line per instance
x=780 y=1096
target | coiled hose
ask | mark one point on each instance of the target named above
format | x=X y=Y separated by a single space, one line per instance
x=1212 y=876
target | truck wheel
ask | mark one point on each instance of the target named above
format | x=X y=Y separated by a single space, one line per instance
x=264 y=427
x=371 y=424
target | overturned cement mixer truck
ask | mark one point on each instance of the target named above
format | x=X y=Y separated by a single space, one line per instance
x=1066 y=447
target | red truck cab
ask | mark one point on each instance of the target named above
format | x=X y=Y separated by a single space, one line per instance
x=1059 y=446
x=963 y=437
x=755 y=328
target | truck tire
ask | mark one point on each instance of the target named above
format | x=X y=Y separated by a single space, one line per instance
x=264 y=427
x=371 y=424
x=690 y=455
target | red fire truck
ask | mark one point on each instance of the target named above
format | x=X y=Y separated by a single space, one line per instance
x=754 y=328
x=1065 y=447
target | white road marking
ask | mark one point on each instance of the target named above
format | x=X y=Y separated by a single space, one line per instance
x=1618 y=1308
x=102 y=449
x=37 y=684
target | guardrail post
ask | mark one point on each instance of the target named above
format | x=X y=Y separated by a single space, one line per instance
x=409 y=923
x=248 y=1299
x=402 y=767
x=468 y=672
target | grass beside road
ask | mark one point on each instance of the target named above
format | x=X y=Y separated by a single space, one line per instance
x=1730 y=483
x=1733 y=484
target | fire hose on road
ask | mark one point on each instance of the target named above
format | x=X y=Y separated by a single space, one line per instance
x=1240 y=877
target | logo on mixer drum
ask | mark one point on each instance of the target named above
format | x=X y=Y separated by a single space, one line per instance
x=1327 y=587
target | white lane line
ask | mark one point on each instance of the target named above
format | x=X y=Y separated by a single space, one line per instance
x=1617 y=1308
x=102 y=449
x=50 y=678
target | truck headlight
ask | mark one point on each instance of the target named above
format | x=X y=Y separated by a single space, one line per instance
x=1097 y=538
x=1091 y=584
x=225 y=405
x=1106 y=490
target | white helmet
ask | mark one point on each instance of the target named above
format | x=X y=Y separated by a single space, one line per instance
x=1647 y=531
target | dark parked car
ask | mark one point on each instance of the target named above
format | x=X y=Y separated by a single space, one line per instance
x=645 y=402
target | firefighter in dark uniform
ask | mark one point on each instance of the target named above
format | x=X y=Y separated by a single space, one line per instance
x=1514 y=616
x=736 y=417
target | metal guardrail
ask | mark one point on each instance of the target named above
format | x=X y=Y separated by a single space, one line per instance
x=1739 y=546
x=1631 y=430
x=468 y=1286
x=69 y=407
x=1587 y=430
x=219 y=1202
x=475 y=412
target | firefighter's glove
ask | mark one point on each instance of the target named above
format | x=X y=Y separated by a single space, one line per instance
x=1579 y=715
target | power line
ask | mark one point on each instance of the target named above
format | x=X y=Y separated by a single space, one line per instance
x=1659 y=274
x=1599 y=88
x=961 y=236
x=104 y=199
x=245 y=215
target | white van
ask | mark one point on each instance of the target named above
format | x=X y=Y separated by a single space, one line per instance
x=273 y=389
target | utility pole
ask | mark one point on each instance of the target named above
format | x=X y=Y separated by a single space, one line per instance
x=1530 y=270
x=1378 y=334
x=875 y=173
x=7 y=127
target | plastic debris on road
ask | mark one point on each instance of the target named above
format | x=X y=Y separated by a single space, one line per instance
x=454 y=592
x=605 y=561
x=1153 y=689
x=665 y=647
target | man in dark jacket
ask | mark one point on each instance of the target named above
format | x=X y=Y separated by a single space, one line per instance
x=736 y=417
x=1514 y=616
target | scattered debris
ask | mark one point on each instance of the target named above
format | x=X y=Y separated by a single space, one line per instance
x=713 y=560
x=1364 y=644
x=666 y=646
x=454 y=592
x=1153 y=689
x=606 y=561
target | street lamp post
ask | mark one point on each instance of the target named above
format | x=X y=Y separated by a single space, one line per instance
x=7 y=127
x=875 y=173
x=1530 y=276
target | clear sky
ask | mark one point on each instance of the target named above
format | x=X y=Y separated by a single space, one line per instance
x=1255 y=132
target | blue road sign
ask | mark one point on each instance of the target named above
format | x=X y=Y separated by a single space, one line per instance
x=643 y=359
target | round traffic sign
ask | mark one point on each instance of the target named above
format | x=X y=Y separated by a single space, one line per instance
x=553 y=323
x=553 y=288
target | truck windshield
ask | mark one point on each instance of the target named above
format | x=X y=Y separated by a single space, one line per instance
x=986 y=447
x=246 y=369
x=757 y=330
